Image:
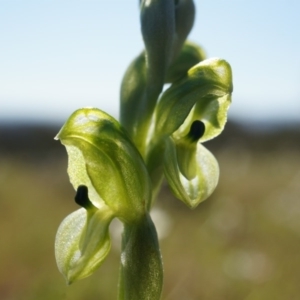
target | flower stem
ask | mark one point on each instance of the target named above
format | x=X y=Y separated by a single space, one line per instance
x=141 y=271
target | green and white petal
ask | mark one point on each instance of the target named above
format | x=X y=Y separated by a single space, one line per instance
x=103 y=158
x=204 y=94
x=191 y=191
x=82 y=243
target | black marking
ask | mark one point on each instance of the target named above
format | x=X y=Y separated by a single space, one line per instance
x=196 y=131
x=82 y=198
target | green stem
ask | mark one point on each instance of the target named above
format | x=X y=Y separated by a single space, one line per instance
x=154 y=162
x=141 y=271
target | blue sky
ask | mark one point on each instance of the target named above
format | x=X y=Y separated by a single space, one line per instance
x=57 y=56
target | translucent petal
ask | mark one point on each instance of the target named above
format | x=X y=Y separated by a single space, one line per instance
x=212 y=113
x=78 y=174
x=190 y=55
x=203 y=94
x=82 y=243
x=195 y=190
x=102 y=157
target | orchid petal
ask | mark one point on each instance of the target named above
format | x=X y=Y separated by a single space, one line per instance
x=82 y=243
x=195 y=190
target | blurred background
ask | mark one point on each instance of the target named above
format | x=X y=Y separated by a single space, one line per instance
x=243 y=242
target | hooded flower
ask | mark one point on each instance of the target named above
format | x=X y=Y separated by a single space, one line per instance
x=194 y=110
x=111 y=180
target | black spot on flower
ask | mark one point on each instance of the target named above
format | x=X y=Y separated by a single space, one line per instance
x=196 y=131
x=82 y=198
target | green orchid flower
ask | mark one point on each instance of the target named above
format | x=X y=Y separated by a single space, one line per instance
x=194 y=110
x=111 y=181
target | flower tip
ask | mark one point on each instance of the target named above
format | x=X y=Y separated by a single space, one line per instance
x=193 y=205
x=71 y=277
x=70 y=281
x=58 y=135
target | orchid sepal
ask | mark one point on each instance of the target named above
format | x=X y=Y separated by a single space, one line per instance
x=203 y=94
x=103 y=158
x=82 y=243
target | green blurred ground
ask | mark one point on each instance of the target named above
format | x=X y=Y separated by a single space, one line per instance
x=242 y=243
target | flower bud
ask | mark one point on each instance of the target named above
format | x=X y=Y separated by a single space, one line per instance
x=184 y=21
x=158 y=30
x=190 y=55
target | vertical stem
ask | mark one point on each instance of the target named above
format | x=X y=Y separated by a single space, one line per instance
x=154 y=163
x=141 y=271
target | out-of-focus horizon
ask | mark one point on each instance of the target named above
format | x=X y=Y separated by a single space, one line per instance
x=60 y=56
x=241 y=243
